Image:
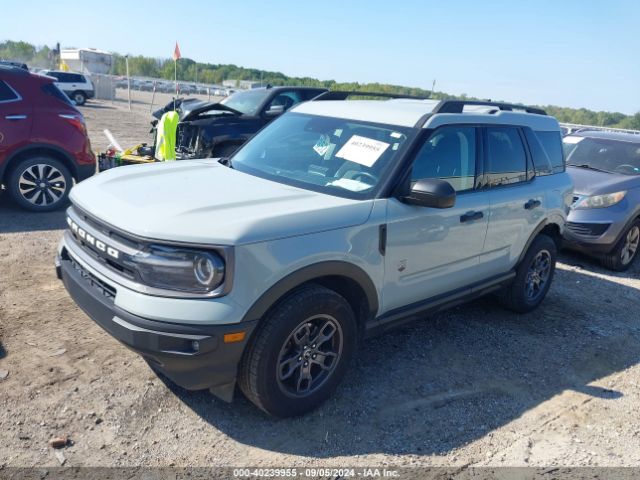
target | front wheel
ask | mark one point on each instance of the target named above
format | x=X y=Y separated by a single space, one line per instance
x=625 y=251
x=533 y=277
x=300 y=352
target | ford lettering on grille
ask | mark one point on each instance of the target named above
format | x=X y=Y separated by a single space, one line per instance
x=91 y=240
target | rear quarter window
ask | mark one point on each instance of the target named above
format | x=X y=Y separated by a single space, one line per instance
x=7 y=94
x=52 y=90
x=552 y=144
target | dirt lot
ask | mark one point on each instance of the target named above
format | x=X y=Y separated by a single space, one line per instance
x=470 y=387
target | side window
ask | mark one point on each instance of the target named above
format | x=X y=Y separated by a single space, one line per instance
x=541 y=160
x=552 y=143
x=285 y=99
x=7 y=94
x=507 y=160
x=449 y=154
x=75 y=78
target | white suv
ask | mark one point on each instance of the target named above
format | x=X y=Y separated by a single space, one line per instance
x=77 y=86
x=337 y=220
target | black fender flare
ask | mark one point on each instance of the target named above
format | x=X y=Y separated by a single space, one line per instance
x=307 y=274
x=541 y=226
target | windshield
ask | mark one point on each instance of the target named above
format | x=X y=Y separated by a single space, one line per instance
x=330 y=155
x=614 y=156
x=247 y=102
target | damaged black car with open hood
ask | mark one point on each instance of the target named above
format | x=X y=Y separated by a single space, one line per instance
x=218 y=129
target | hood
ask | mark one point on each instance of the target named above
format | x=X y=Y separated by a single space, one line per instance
x=190 y=107
x=591 y=182
x=202 y=201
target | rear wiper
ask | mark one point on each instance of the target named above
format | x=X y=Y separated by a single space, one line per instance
x=226 y=161
x=588 y=167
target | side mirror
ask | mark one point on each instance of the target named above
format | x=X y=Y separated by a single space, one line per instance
x=431 y=192
x=274 y=110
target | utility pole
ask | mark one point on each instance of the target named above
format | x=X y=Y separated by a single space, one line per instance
x=126 y=60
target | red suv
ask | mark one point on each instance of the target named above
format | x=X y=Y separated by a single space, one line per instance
x=43 y=141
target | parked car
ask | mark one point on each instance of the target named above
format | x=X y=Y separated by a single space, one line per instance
x=605 y=215
x=43 y=141
x=146 y=85
x=338 y=220
x=217 y=129
x=7 y=63
x=77 y=86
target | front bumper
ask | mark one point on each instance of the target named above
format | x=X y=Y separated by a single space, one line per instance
x=194 y=357
x=595 y=231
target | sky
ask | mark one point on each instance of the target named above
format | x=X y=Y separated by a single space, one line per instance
x=574 y=53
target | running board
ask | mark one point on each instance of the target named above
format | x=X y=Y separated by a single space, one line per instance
x=435 y=304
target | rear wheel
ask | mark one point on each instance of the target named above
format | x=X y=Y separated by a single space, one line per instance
x=533 y=277
x=79 y=97
x=626 y=250
x=300 y=353
x=40 y=184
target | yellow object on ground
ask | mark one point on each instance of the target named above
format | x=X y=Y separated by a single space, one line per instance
x=166 y=136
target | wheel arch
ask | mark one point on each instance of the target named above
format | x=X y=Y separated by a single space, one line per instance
x=550 y=228
x=346 y=279
x=33 y=150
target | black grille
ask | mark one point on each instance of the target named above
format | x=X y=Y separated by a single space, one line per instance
x=104 y=288
x=588 y=229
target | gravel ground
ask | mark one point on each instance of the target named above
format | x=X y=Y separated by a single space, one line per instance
x=473 y=386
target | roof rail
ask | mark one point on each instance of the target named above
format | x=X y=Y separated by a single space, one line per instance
x=457 y=106
x=343 y=95
x=575 y=127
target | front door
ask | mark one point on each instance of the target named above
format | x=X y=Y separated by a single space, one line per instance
x=434 y=251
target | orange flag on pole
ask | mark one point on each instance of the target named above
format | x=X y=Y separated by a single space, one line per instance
x=176 y=53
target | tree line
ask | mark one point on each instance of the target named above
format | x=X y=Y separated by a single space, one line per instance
x=191 y=71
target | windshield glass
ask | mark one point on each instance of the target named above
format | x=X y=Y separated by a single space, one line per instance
x=247 y=102
x=613 y=156
x=330 y=155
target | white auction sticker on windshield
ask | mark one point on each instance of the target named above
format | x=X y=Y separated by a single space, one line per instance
x=362 y=150
x=572 y=140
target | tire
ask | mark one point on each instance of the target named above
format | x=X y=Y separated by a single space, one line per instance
x=626 y=250
x=79 y=97
x=40 y=184
x=274 y=372
x=533 y=277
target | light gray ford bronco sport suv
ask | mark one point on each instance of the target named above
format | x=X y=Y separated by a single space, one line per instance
x=337 y=220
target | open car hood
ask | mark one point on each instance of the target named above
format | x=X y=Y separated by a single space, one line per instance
x=190 y=107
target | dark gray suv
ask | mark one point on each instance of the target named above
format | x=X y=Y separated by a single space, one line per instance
x=605 y=215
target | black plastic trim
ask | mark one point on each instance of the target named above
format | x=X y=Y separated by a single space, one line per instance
x=309 y=273
x=437 y=303
x=457 y=106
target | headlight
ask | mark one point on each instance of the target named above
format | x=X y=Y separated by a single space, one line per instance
x=178 y=269
x=599 y=201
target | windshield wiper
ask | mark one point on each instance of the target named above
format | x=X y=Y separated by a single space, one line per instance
x=588 y=167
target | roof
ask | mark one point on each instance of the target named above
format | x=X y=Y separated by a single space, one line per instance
x=409 y=112
x=405 y=113
x=620 y=136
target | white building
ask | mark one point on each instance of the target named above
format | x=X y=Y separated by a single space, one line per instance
x=87 y=60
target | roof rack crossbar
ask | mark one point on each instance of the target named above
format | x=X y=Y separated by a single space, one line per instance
x=343 y=95
x=457 y=106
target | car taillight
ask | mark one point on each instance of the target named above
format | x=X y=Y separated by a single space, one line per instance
x=74 y=119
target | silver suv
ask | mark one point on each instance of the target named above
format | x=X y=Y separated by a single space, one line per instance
x=336 y=221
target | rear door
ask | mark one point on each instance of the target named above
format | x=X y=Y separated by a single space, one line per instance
x=517 y=199
x=433 y=251
x=15 y=116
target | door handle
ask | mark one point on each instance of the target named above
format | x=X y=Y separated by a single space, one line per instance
x=470 y=216
x=531 y=204
x=16 y=117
